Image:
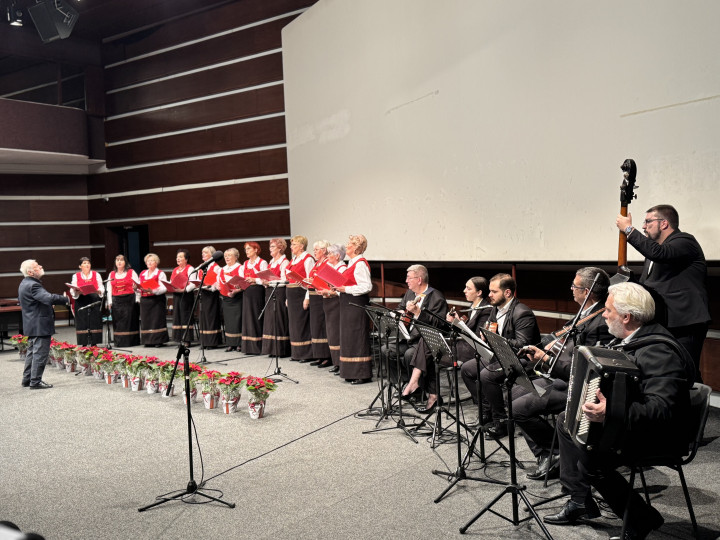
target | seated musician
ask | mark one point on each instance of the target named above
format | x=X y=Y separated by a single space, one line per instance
x=515 y=322
x=655 y=421
x=419 y=299
x=591 y=330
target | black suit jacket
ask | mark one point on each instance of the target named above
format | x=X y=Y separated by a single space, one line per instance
x=37 y=308
x=465 y=352
x=520 y=327
x=434 y=301
x=678 y=276
x=594 y=332
x=657 y=420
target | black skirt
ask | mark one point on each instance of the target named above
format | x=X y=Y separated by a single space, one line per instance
x=153 y=321
x=276 y=339
x=318 y=330
x=232 y=316
x=299 y=321
x=331 y=306
x=126 y=320
x=182 y=305
x=253 y=301
x=88 y=321
x=210 y=319
x=355 y=357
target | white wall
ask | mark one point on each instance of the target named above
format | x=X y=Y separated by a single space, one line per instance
x=491 y=130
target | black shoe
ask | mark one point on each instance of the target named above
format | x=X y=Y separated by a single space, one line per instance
x=337 y=373
x=306 y=360
x=425 y=409
x=42 y=385
x=573 y=512
x=497 y=430
x=334 y=370
x=316 y=362
x=546 y=462
x=325 y=363
x=412 y=396
x=360 y=381
x=25 y=384
x=294 y=359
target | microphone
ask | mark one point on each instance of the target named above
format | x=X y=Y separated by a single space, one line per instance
x=218 y=255
x=91 y=305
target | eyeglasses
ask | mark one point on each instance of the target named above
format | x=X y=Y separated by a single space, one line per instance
x=646 y=221
x=573 y=286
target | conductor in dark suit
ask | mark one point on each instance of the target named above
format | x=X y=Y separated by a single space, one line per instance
x=517 y=324
x=38 y=322
x=675 y=272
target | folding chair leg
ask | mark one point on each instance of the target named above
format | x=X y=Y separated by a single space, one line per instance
x=626 y=514
x=645 y=489
x=687 y=500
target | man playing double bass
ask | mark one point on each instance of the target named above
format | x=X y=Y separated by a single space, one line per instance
x=675 y=271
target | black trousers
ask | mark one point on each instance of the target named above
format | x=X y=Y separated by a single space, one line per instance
x=579 y=470
x=528 y=408
x=692 y=338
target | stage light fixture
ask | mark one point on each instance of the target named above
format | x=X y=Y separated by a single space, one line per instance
x=14 y=14
x=54 y=19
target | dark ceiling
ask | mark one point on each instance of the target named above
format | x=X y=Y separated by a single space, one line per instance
x=99 y=21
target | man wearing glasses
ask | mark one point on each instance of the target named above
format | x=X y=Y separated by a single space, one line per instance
x=675 y=272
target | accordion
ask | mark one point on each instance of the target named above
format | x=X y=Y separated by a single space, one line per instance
x=615 y=374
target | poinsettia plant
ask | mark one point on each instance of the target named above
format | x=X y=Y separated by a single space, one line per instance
x=259 y=387
x=106 y=362
x=20 y=341
x=135 y=365
x=230 y=384
x=207 y=381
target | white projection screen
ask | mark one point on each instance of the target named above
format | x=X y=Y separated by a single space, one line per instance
x=494 y=130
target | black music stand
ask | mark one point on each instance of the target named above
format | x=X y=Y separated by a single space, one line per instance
x=439 y=348
x=514 y=374
x=390 y=320
x=276 y=313
x=192 y=489
x=481 y=351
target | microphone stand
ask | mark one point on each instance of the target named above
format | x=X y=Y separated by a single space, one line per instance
x=278 y=372
x=192 y=487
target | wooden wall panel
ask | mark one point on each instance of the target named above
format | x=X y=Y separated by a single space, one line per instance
x=267 y=132
x=42 y=210
x=227 y=17
x=213 y=111
x=213 y=81
x=23 y=185
x=226 y=47
x=43 y=235
x=267 y=162
x=50 y=259
x=266 y=223
x=709 y=365
x=267 y=193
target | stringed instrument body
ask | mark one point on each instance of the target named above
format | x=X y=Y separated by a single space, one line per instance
x=627 y=194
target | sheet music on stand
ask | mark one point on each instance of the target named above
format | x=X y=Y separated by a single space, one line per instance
x=477 y=344
x=509 y=361
x=435 y=341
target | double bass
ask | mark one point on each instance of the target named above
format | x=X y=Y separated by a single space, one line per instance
x=627 y=194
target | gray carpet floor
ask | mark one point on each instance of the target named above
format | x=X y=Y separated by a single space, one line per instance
x=78 y=460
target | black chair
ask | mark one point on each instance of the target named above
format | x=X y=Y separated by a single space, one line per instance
x=699 y=409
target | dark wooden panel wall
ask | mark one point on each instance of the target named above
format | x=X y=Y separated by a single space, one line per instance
x=195 y=132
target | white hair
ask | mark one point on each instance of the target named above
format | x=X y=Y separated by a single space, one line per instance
x=25 y=267
x=634 y=300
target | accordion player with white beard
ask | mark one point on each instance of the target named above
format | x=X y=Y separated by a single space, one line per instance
x=655 y=421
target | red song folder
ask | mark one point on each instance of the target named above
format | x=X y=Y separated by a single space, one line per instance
x=296 y=278
x=84 y=289
x=238 y=282
x=332 y=276
x=267 y=275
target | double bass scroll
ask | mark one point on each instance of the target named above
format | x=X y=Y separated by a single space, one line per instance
x=627 y=194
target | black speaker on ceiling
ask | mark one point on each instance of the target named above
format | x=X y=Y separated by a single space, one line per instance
x=54 y=19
